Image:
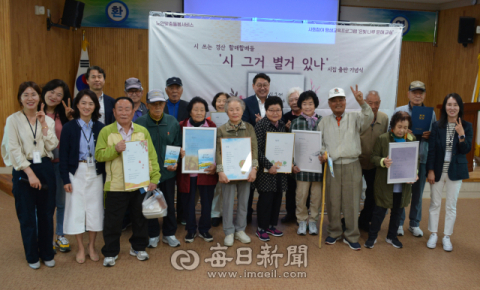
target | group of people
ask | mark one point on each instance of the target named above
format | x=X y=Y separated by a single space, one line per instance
x=67 y=154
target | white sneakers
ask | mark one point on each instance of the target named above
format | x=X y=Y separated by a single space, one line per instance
x=141 y=255
x=171 y=241
x=51 y=263
x=447 y=244
x=35 y=266
x=400 y=231
x=153 y=242
x=228 y=240
x=432 y=241
x=312 y=228
x=416 y=231
x=302 y=228
x=109 y=261
x=242 y=237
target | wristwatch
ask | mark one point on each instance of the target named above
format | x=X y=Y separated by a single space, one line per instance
x=462 y=138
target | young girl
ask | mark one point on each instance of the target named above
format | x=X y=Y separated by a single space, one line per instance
x=393 y=196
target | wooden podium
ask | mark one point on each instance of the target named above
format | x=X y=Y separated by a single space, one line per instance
x=470 y=114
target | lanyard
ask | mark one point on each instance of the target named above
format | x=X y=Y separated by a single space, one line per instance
x=31 y=128
x=88 y=140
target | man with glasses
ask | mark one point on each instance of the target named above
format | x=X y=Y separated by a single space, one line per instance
x=254 y=112
x=134 y=91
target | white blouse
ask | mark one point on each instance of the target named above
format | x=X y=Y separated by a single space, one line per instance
x=18 y=142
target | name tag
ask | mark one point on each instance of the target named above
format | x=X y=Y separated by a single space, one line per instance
x=448 y=156
x=37 y=157
x=90 y=161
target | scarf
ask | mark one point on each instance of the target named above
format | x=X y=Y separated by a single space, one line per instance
x=310 y=120
x=196 y=124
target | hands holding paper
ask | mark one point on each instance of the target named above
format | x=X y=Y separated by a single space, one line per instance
x=211 y=169
x=182 y=153
x=222 y=178
x=121 y=146
x=413 y=182
x=295 y=169
x=172 y=167
x=253 y=175
x=273 y=169
x=388 y=162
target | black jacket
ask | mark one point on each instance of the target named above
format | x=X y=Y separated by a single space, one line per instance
x=458 y=168
x=109 y=103
x=182 y=110
x=70 y=149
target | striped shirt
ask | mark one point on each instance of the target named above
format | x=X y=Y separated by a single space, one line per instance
x=300 y=123
x=448 y=148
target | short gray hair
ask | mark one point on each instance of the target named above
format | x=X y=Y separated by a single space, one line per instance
x=372 y=92
x=294 y=90
x=234 y=99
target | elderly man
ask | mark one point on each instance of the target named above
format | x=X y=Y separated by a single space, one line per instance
x=416 y=95
x=178 y=109
x=134 y=91
x=164 y=130
x=341 y=139
x=110 y=145
x=96 y=80
x=254 y=112
x=175 y=106
x=378 y=126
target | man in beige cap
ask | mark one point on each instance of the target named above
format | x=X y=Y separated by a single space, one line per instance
x=378 y=126
x=341 y=139
x=416 y=96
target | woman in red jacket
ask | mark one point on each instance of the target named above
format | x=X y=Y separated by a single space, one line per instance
x=188 y=183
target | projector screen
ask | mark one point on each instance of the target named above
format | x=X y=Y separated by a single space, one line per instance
x=325 y=10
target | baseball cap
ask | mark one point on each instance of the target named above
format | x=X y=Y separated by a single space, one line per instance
x=416 y=85
x=155 y=96
x=174 y=81
x=133 y=83
x=336 y=92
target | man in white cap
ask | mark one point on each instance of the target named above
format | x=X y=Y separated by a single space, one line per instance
x=134 y=91
x=341 y=139
x=165 y=131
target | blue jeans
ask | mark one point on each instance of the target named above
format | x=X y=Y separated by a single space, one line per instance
x=59 y=199
x=415 y=215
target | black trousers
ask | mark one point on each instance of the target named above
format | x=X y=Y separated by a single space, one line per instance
x=369 y=203
x=290 y=202
x=206 y=198
x=268 y=208
x=35 y=210
x=169 y=225
x=379 y=215
x=116 y=203
x=180 y=210
x=250 y=200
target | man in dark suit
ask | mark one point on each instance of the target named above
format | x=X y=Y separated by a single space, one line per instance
x=254 y=105
x=96 y=80
x=178 y=109
x=175 y=107
x=254 y=112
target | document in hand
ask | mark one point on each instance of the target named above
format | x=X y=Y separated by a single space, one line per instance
x=421 y=119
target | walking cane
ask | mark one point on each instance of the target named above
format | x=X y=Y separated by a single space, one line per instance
x=323 y=201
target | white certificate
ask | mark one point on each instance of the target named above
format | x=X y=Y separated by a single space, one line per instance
x=219 y=118
x=404 y=162
x=307 y=149
x=279 y=150
x=194 y=139
x=237 y=157
x=136 y=167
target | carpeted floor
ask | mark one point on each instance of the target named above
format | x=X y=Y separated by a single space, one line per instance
x=331 y=267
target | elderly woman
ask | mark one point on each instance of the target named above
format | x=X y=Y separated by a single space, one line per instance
x=81 y=174
x=56 y=97
x=393 y=196
x=235 y=128
x=307 y=181
x=270 y=185
x=27 y=145
x=188 y=183
x=290 y=205
x=447 y=166
x=218 y=103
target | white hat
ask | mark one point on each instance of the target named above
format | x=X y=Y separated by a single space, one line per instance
x=336 y=92
x=155 y=96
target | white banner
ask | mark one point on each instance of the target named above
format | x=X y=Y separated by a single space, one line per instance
x=220 y=55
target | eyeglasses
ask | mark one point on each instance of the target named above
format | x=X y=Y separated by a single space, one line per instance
x=265 y=85
x=133 y=93
x=275 y=111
